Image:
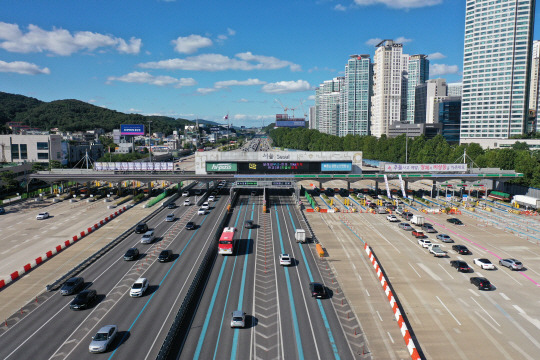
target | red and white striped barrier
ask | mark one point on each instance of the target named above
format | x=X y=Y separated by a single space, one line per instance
x=397 y=313
x=49 y=254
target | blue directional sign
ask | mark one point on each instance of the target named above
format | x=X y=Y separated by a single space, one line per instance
x=132 y=129
x=336 y=166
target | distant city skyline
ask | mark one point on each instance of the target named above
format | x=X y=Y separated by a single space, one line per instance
x=165 y=58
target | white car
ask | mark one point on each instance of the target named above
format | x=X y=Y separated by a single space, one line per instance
x=148 y=237
x=170 y=217
x=424 y=243
x=139 y=287
x=392 y=218
x=238 y=319
x=185 y=193
x=103 y=339
x=211 y=198
x=285 y=260
x=201 y=211
x=484 y=263
x=187 y=202
x=205 y=205
x=43 y=215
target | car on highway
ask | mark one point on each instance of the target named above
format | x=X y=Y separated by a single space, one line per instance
x=461 y=249
x=248 y=224
x=407 y=215
x=201 y=211
x=238 y=319
x=425 y=243
x=454 y=221
x=42 y=216
x=428 y=228
x=444 y=238
x=171 y=206
x=165 y=255
x=400 y=210
x=418 y=234
x=170 y=217
x=392 y=218
x=512 y=264
x=2 y=210
x=285 y=260
x=484 y=263
x=405 y=226
x=148 y=237
x=481 y=283
x=187 y=202
x=139 y=287
x=205 y=205
x=317 y=290
x=103 y=339
x=211 y=198
x=131 y=254
x=72 y=286
x=185 y=193
x=141 y=228
x=190 y=225
x=460 y=265
x=83 y=299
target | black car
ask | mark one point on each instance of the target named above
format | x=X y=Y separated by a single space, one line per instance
x=72 y=286
x=83 y=300
x=329 y=192
x=248 y=224
x=171 y=206
x=461 y=266
x=141 y=228
x=317 y=290
x=165 y=255
x=454 y=221
x=131 y=254
x=190 y=225
x=461 y=249
x=481 y=283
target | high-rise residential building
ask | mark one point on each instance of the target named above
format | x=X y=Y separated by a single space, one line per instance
x=386 y=102
x=455 y=89
x=356 y=96
x=417 y=74
x=425 y=97
x=535 y=81
x=448 y=110
x=327 y=105
x=496 y=65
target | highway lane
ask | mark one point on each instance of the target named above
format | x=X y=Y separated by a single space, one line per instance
x=112 y=277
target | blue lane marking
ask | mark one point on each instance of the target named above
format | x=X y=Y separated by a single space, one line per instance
x=323 y=313
x=291 y=300
x=242 y=288
x=324 y=201
x=357 y=203
x=211 y=307
x=161 y=282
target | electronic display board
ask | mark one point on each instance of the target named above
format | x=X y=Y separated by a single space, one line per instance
x=336 y=166
x=278 y=167
x=132 y=129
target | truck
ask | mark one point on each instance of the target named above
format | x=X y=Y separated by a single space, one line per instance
x=417 y=220
x=436 y=250
x=300 y=235
x=527 y=201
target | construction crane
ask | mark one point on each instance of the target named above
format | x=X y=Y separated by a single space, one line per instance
x=293 y=111
x=279 y=102
x=302 y=106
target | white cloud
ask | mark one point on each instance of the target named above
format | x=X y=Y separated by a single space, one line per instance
x=283 y=87
x=402 y=40
x=376 y=41
x=205 y=91
x=311 y=97
x=146 y=78
x=191 y=44
x=400 y=4
x=242 y=100
x=218 y=62
x=222 y=37
x=442 y=69
x=436 y=56
x=248 y=82
x=22 y=67
x=340 y=7
x=61 y=41
x=244 y=117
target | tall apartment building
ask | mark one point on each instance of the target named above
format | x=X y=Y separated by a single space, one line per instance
x=535 y=80
x=356 y=96
x=327 y=105
x=496 y=65
x=455 y=89
x=426 y=95
x=417 y=74
x=386 y=102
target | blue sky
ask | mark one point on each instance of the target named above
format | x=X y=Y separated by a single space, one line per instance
x=207 y=58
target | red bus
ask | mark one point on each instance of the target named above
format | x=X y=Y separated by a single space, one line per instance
x=226 y=241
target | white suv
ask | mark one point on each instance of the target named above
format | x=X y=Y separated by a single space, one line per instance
x=139 y=287
x=187 y=202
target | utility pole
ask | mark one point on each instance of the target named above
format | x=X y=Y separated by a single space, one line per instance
x=150 y=138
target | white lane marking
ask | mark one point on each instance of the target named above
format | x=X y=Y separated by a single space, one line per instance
x=533 y=321
x=415 y=270
x=518 y=309
x=429 y=272
x=519 y=350
x=367 y=292
x=484 y=310
x=475 y=293
x=379 y=315
x=503 y=295
x=390 y=336
x=511 y=277
x=448 y=310
x=451 y=277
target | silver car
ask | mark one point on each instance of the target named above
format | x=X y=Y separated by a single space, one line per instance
x=512 y=264
x=170 y=217
x=103 y=339
x=238 y=319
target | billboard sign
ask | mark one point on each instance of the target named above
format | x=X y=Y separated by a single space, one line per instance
x=336 y=166
x=132 y=129
x=221 y=167
x=290 y=123
x=432 y=168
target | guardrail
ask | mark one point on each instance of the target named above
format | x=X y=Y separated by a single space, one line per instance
x=176 y=337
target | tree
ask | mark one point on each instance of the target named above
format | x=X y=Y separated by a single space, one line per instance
x=9 y=180
x=55 y=164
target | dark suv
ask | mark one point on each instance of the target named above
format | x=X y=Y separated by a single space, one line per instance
x=481 y=283
x=248 y=224
x=317 y=290
x=141 y=228
x=72 y=286
x=165 y=255
x=131 y=254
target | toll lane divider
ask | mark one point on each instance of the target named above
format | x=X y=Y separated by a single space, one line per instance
x=404 y=325
x=49 y=254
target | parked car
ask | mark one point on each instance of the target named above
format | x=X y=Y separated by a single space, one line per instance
x=190 y=225
x=444 y=238
x=165 y=255
x=42 y=216
x=318 y=290
x=481 y=283
x=454 y=221
x=484 y=263
x=461 y=266
x=461 y=249
x=238 y=319
x=103 y=339
x=72 y=286
x=285 y=260
x=139 y=287
x=141 y=228
x=83 y=299
x=131 y=254
x=405 y=226
x=512 y=264
x=170 y=218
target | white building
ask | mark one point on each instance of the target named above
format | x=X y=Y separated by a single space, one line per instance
x=31 y=148
x=327 y=105
x=535 y=79
x=454 y=89
x=417 y=74
x=355 y=97
x=427 y=94
x=496 y=65
x=386 y=102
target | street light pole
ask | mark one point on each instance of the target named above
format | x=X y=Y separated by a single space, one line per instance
x=150 y=138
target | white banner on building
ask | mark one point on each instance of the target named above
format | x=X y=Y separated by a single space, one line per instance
x=433 y=168
x=387 y=187
x=402 y=184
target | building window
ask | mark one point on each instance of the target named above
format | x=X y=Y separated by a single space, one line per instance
x=43 y=145
x=43 y=156
x=15 y=151
x=24 y=152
